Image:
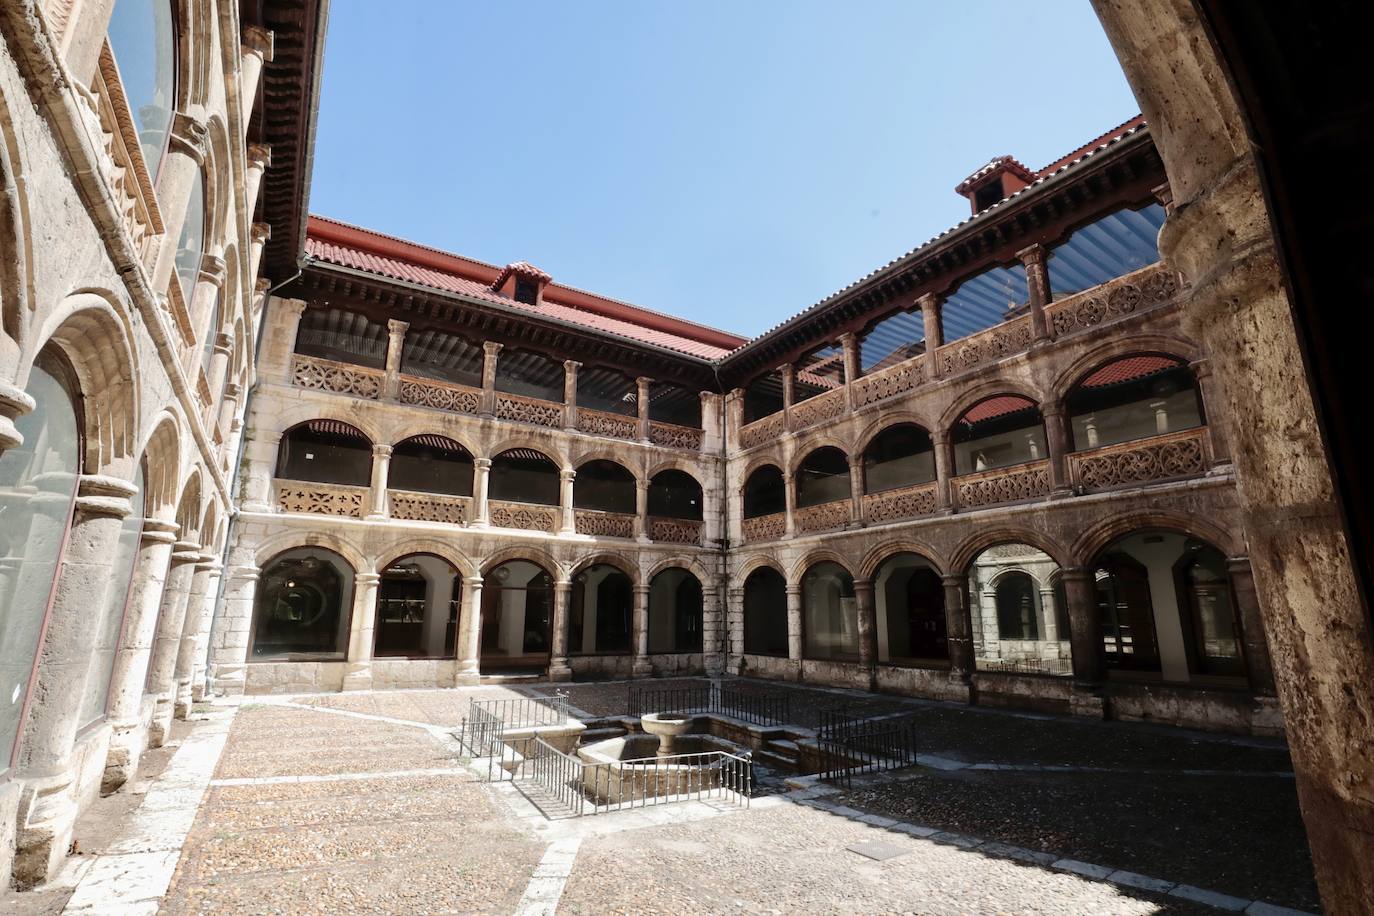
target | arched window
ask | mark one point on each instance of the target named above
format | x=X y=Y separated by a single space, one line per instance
x=417 y=608
x=990 y=298
x=998 y=432
x=891 y=340
x=818 y=372
x=765 y=613
x=142 y=35
x=326 y=451
x=602 y=388
x=909 y=599
x=829 y=616
x=674 y=404
x=763 y=396
x=601 y=611
x=606 y=486
x=517 y=607
x=1019 y=625
x=1126 y=611
x=440 y=355
x=303 y=607
x=343 y=336
x=675 y=612
x=1206 y=606
x=110 y=622
x=764 y=493
x=430 y=464
x=675 y=494
x=1109 y=247
x=531 y=374
x=191 y=242
x=900 y=456
x=822 y=477
x=1133 y=398
x=522 y=475
x=37 y=488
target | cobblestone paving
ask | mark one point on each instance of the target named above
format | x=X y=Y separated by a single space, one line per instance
x=432 y=707
x=792 y=859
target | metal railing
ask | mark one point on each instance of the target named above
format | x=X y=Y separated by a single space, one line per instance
x=714 y=698
x=569 y=786
x=482 y=733
x=852 y=746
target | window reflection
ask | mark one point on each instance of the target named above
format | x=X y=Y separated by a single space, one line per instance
x=142 y=37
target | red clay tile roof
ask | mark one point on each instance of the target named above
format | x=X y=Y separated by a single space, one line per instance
x=1101 y=140
x=1007 y=163
x=350 y=246
x=1130 y=369
x=524 y=269
x=993 y=407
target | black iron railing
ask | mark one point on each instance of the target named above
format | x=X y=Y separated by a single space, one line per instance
x=483 y=731
x=852 y=746
x=712 y=699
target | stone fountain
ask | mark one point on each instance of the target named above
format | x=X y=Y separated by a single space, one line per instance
x=667 y=727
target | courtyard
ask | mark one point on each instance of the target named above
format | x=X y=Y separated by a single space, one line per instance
x=367 y=802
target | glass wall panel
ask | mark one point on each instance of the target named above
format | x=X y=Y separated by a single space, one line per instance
x=523 y=475
x=822 y=477
x=1206 y=604
x=675 y=494
x=1018 y=625
x=517 y=607
x=817 y=372
x=988 y=299
x=37 y=487
x=675 y=612
x=601 y=611
x=191 y=243
x=531 y=374
x=894 y=339
x=765 y=613
x=441 y=355
x=346 y=337
x=674 y=404
x=430 y=464
x=1133 y=398
x=606 y=486
x=997 y=433
x=303 y=607
x=418 y=602
x=764 y=493
x=1111 y=247
x=909 y=600
x=326 y=451
x=608 y=390
x=899 y=456
x=829 y=615
x=142 y=37
x=763 y=397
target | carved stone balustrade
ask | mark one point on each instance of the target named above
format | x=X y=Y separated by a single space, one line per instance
x=1003 y=485
x=987 y=346
x=1145 y=288
x=604 y=524
x=341 y=378
x=815 y=410
x=765 y=527
x=322 y=498
x=893 y=380
x=769 y=429
x=425 y=392
x=825 y=517
x=524 y=516
x=1180 y=454
x=529 y=410
x=675 y=530
x=670 y=435
x=603 y=423
x=903 y=502
x=413 y=506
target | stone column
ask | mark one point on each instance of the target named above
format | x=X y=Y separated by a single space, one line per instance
x=1038 y=285
x=361 y=629
x=558 y=656
x=258 y=234
x=933 y=323
x=640 y=630
x=228 y=410
x=1060 y=444
x=490 y=350
x=958 y=629
x=219 y=365
x=789 y=392
x=734 y=629
x=642 y=403
x=642 y=510
x=565 y=501
x=470 y=633
x=944 y=471
x=167 y=638
x=1257 y=663
x=282 y=323
x=14 y=403
x=850 y=342
x=135 y=644
x=570 y=367
x=1212 y=412
x=712 y=423
x=259 y=160
x=257 y=49
x=381 y=469
x=481 y=516
x=734 y=416
x=790 y=495
x=856 y=492
x=229 y=643
x=1085 y=626
x=868 y=629
x=395 y=347
x=207 y=568
x=45 y=762
x=794 y=629
x=712 y=635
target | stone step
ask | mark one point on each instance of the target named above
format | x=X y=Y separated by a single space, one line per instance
x=775 y=761
x=601 y=734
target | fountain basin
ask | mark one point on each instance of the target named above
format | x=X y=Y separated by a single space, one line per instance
x=668 y=727
x=627 y=769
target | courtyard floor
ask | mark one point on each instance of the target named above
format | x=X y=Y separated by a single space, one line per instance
x=363 y=803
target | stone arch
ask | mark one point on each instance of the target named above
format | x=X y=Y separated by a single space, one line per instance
x=279 y=543
x=803 y=451
x=16 y=267
x=820 y=555
x=756 y=562
x=209 y=522
x=880 y=554
x=760 y=461
x=983 y=391
x=422 y=427
x=1163 y=344
x=674 y=463
x=682 y=561
x=969 y=549
x=534 y=443
x=609 y=559
x=1018 y=570
x=195 y=22
x=884 y=422
x=603 y=453
x=529 y=553
x=187 y=513
x=162 y=459
x=407 y=546
x=1098 y=537
x=219 y=208
x=291 y=419
x=90 y=329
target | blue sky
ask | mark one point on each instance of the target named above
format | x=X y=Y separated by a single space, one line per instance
x=729 y=162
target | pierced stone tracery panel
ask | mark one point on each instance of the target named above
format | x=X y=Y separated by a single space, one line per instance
x=898 y=379
x=768 y=429
x=326 y=375
x=412 y=506
x=675 y=530
x=321 y=499
x=765 y=527
x=523 y=516
x=825 y=517
x=1142 y=289
x=818 y=409
x=529 y=410
x=1179 y=455
x=601 y=423
x=986 y=346
x=440 y=396
x=906 y=502
x=604 y=524
x=1004 y=485
x=670 y=435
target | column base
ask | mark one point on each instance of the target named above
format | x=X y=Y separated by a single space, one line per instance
x=182 y=707
x=358 y=676
x=160 y=728
x=560 y=673
x=467 y=675
x=1061 y=493
x=1087 y=700
x=641 y=668
x=228 y=680
x=42 y=841
x=121 y=760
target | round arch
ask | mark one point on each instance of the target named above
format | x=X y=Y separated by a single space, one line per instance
x=886 y=421
x=880 y=554
x=530 y=554
x=604 y=453
x=969 y=549
x=270 y=547
x=427 y=427
x=161 y=455
x=815 y=445
x=1098 y=537
x=533 y=443
x=690 y=564
x=756 y=562
x=809 y=560
x=607 y=559
x=440 y=549
x=989 y=389
x=1149 y=344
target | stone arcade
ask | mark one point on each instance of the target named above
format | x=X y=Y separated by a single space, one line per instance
x=997 y=470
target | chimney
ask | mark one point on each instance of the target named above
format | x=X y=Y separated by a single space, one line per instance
x=998 y=180
x=522 y=282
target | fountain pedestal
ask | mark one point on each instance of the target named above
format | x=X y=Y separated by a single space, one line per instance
x=666 y=727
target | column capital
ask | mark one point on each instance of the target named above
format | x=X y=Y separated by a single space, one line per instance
x=481 y=464
x=491 y=347
x=929 y=301
x=1032 y=254
x=396 y=326
x=99 y=495
x=189 y=135
x=640 y=589
x=794 y=590
x=293 y=307
x=259 y=41
x=259 y=233
x=863 y=585
x=367 y=578
x=954 y=579
x=259 y=155
x=644 y=381
x=563 y=585
x=572 y=365
x=381 y=451
x=1075 y=573
x=14 y=403
x=473 y=581
x=567 y=474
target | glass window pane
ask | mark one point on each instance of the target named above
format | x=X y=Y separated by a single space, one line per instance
x=600 y=612
x=143 y=39
x=909 y=599
x=325 y=451
x=988 y=299
x=675 y=612
x=110 y=622
x=418 y=602
x=1014 y=604
x=764 y=493
x=517 y=607
x=345 y=337
x=765 y=613
x=997 y=433
x=1133 y=398
x=896 y=338
x=829 y=614
x=899 y=456
x=605 y=486
x=817 y=372
x=823 y=477
x=430 y=464
x=438 y=355
x=524 y=476
x=605 y=389
x=303 y=606
x=675 y=494
x=530 y=374
x=191 y=244
x=1111 y=247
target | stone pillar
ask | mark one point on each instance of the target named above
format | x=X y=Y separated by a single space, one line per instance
x=257 y=49
x=856 y=492
x=258 y=234
x=712 y=635
x=789 y=392
x=1212 y=412
x=131 y=660
x=640 y=629
x=565 y=501
x=734 y=630
x=958 y=629
x=933 y=324
x=790 y=495
x=230 y=637
x=570 y=367
x=381 y=469
x=395 y=346
x=850 y=342
x=219 y=364
x=490 y=350
x=867 y=629
x=1257 y=663
x=228 y=412
x=283 y=321
x=49 y=729
x=167 y=638
x=258 y=466
x=642 y=510
x=558 y=656
x=734 y=416
x=14 y=403
x=642 y=403
x=259 y=160
x=944 y=471
x=361 y=629
x=1085 y=625
x=1060 y=444
x=712 y=422
x=1038 y=285
x=207 y=568
x=794 y=625
x=470 y=633
x=481 y=470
